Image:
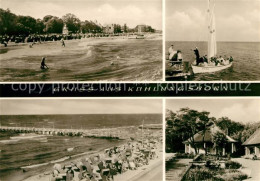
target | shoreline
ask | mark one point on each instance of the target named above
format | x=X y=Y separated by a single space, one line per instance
x=92 y=39
x=128 y=175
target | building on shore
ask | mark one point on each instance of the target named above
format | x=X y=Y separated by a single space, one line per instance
x=108 y=29
x=141 y=28
x=65 y=30
x=252 y=144
x=208 y=143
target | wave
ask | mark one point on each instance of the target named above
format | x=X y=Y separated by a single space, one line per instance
x=61 y=159
x=8 y=141
x=34 y=166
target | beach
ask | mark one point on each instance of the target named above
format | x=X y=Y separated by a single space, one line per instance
x=49 y=147
x=86 y=59
x=150 y=172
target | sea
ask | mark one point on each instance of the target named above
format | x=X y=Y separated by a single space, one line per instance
x=84 y=60
x=38 y=153
x=246 y=55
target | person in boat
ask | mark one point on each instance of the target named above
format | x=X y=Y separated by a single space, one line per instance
x=205 y=58
x=231 y=59
x=198 y=58
x=62 y=42
x=171 y=52
x=221 y=60
x=43 y=65
x=179 y=56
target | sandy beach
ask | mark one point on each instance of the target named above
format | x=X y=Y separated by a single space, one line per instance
x=106 y=58
x=151 y=172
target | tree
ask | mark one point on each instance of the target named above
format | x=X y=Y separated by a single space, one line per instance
x=53 y=25
x=203 y=122
x=39 y=26
x=7 y=22
x=72 y=22
x=173 y=138
x=125 y=28
x=26 y=25
x=89 y=26
x=117 y=28
x=183 y=125
x=149 y=29
x=220 y=140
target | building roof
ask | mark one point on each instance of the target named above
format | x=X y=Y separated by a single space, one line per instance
x=254 y=139
x=198 y=137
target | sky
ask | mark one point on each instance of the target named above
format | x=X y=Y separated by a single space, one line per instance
x=236 y=20
x=239 y=110
x=79 y=106
x=131 y=12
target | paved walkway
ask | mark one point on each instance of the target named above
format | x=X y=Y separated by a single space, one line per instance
x=250 y=167
x=175 y=168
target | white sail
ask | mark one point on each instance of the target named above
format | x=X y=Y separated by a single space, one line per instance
x=212 y=45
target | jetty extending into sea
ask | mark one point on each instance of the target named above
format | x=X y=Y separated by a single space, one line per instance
x=113 y=133
x=106 y=133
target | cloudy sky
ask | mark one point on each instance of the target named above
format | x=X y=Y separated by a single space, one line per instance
x=131 y=12
x=240 y=110
x=79 y=106
x=236 y=20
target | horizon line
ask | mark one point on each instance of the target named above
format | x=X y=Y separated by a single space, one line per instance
x=226 y=41
x=72 y=114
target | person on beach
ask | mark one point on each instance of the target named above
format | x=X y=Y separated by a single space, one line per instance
x=62 y=42
x=43 y=65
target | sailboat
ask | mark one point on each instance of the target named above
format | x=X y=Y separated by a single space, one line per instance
x=212 y=45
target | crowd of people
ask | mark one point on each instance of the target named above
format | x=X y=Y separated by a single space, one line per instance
x=5 y=39
x=113 y=161
x=176 y=56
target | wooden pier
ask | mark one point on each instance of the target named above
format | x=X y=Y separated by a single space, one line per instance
x=112 y=133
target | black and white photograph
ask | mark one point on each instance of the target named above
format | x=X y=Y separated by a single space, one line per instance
x=81 y=139
x=80 y=40
x=212 y=40
x=212 y=139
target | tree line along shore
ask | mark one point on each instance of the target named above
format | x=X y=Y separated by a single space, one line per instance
x=18 y=28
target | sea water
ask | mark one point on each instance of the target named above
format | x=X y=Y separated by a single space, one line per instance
x=84 y=60
x=246 y=55
x=39 y=151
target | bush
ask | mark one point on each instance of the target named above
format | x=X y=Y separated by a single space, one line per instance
x=202 y=173
x=233 y=165
x=235 y=176
x=184 y=155
x=198 y=174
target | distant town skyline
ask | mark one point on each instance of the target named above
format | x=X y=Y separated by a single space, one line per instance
x=79 y=106
x=239 y=110
x=236 y=20
x=131 y=12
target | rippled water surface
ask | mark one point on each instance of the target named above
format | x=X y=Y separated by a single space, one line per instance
x=84 y=60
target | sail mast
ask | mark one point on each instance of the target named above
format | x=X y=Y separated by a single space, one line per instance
x=212 y=45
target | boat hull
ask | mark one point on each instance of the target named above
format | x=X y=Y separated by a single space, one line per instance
x=209 y=69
